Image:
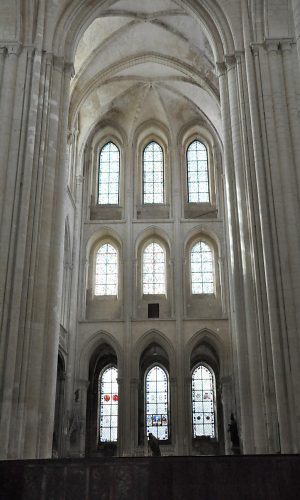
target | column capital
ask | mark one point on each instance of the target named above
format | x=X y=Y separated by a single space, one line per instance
x=69 y=69
x=255 y=48
x=230 y=60
x=271 y=44
x=286 y=44
x=12 y=49
x=221 y=68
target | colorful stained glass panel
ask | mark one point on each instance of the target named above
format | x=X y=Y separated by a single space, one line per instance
x=203 y=402
x=157 y=403
x=108 y=405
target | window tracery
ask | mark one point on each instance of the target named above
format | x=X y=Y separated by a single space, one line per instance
x=153 y=174
x=203 y=402
x=108 y=397
x=108 y=175
x=197 y=173
x=106 y=279
x=201 y=268
x=157 y=402
x=154 y=269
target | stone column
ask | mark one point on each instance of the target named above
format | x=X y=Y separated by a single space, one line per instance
x=228 y=408
x=238 y=324
x=267 y=255
x=245 y=215
x=9 y=63
x=288 y=59
x=129 y=447
x=36 y=256
x=286 y=201
x=2 y=59
x=64 y=73
x=296 y=12
x=16 y=171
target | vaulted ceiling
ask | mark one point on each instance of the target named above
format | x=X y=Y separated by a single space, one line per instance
x=144 y=60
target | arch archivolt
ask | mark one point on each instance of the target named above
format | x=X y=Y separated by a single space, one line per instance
x=152 y=233
x=208 y=336
x=148 y=338
x=79 y=15
x=193 y=75
x=204 y=233
x=89 y=348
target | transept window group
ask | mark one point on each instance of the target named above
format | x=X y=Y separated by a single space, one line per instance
x=157 y=403
x=154 y=275
x=153 y=174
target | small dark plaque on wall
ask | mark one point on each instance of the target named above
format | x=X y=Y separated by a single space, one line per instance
x=153 y=310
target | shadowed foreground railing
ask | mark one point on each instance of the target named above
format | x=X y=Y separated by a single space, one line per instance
x=266 y=477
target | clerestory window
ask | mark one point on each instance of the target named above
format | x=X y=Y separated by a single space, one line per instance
x=203 y=402
x=108 y=175
x=197 y=173
x=157 y=402
x=106 y=275
x=201 y=269
x=153 y=174
x=154 y=269
x=108 y=397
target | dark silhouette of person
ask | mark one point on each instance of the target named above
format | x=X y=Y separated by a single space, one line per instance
x=154 y=445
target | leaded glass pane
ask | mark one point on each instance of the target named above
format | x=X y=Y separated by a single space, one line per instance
x=108 y=175
x=106 y=279
x=203 y=402
x=202 y=276
x=156 y=401
x=197 y=173
x=154 y=269
x=108 y=398
x=153 y=174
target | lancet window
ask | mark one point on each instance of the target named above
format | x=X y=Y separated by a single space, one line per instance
x=153 y=174
x=201 y=268
x=154 y=269
x=197 y=173
x=106 y=279
x=203 y=402
x=108 y=398
x=157 y=402
x=108 y=175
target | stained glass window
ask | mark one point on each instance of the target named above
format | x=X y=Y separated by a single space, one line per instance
x=108 y=176
x=106 y=270
x=203 y=402
x=197 y=173
x=108 y=405
x=154 y=269
x=202 y=276
x=153 y=174
x=157 y=402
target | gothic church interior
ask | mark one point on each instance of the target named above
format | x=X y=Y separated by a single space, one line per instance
x=150 y=237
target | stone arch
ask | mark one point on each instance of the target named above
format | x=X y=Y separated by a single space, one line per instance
x=153 y=337
x=205 y=348
x=92 y=345
x=152 y=232
x=207 y=337
x=206 y=232
x=77 y=18
x=204 y=128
